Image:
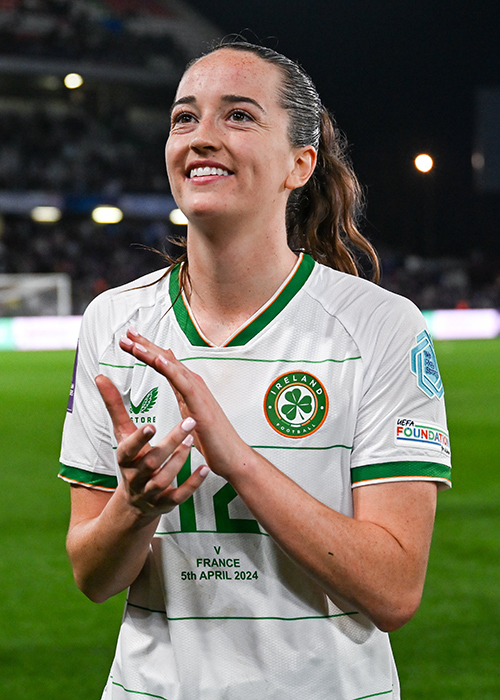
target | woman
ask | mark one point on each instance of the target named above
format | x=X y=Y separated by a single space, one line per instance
x=270 y=560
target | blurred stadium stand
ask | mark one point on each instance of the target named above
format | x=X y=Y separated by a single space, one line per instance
x=101 y=143
x=104 y=143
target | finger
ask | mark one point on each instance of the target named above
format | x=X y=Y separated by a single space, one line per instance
x=131 y=448
x=155 y=357
x=180 y=494
x=148 y=463
x=122 y=424
x=134 y=340
x=215 y=437
x=163 y=477
x=136 y=337
x=140 y=347
x=163 y=462
x=189 y=388
x=182 y=379
x=154 y=504
x=143 y=349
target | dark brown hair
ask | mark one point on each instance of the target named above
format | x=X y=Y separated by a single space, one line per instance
x=322 y=216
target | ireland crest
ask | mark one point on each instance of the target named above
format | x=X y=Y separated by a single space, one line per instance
x=296 y=404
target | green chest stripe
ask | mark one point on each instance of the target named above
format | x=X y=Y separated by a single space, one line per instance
x=278 y=360
x=209 y=358
x=245 y=617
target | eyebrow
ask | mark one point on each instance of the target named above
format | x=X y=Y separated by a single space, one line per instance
x=230 y=99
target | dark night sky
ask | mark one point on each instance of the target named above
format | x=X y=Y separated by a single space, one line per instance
x=400 y=77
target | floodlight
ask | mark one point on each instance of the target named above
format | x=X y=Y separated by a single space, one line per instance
x=177 y=217
x=424 y=163
x=46 y=214
x=73 y=80
x=107 y=215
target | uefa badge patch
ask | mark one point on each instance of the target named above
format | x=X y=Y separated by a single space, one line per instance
x=296 y=404
x=424 y=366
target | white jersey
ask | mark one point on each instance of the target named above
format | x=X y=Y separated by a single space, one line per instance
x=335 y=381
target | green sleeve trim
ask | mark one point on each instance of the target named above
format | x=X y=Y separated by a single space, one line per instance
x=86 y=478
x=432 y=471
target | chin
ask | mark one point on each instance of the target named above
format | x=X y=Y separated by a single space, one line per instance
x=205 y=213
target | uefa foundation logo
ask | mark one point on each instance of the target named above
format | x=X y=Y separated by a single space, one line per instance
x=296 y=404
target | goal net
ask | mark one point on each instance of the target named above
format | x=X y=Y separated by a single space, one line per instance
x=35 y=295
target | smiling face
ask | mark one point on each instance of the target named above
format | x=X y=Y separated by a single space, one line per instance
x=228 y=152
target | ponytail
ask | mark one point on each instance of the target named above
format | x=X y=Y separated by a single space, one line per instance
x=322 y=216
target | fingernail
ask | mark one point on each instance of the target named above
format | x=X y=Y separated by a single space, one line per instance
x=132 y=331
x=188 y=440
x=188 y=424
x=204 y=471
x=162 y=359
x=141 y=348
x=126 y=341
x=148 y=431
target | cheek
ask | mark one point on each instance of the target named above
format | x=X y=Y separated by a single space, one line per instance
x=171 y=156
x=168 y=153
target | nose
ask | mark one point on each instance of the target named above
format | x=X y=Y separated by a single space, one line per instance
x=205 y=137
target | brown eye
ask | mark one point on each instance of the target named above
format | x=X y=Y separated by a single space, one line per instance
x=183 y=118
x=240 y=116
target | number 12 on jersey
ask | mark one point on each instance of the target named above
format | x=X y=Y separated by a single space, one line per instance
x=221 y=500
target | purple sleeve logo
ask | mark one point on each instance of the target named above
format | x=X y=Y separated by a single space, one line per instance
x=73 y=385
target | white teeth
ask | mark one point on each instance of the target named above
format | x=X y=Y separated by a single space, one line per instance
x=200 y=172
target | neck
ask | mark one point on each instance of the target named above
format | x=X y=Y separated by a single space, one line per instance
x=233 y=275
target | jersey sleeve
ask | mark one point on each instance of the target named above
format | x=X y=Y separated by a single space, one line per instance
x=401 y=432
x=88 y=444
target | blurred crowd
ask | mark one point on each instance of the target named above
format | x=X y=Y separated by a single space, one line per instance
x=75 y=151
x=97 y=257
x=443 y=283
x=94 y=142
x=111 y=32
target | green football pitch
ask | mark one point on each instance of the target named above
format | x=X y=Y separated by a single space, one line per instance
x=56 y=645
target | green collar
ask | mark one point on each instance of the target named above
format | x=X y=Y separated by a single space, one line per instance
x=267 y=313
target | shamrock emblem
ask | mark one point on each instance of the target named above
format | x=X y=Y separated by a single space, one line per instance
x=299 y=404
x=296 y=404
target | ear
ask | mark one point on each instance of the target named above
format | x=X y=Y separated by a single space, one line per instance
x=304 y=164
